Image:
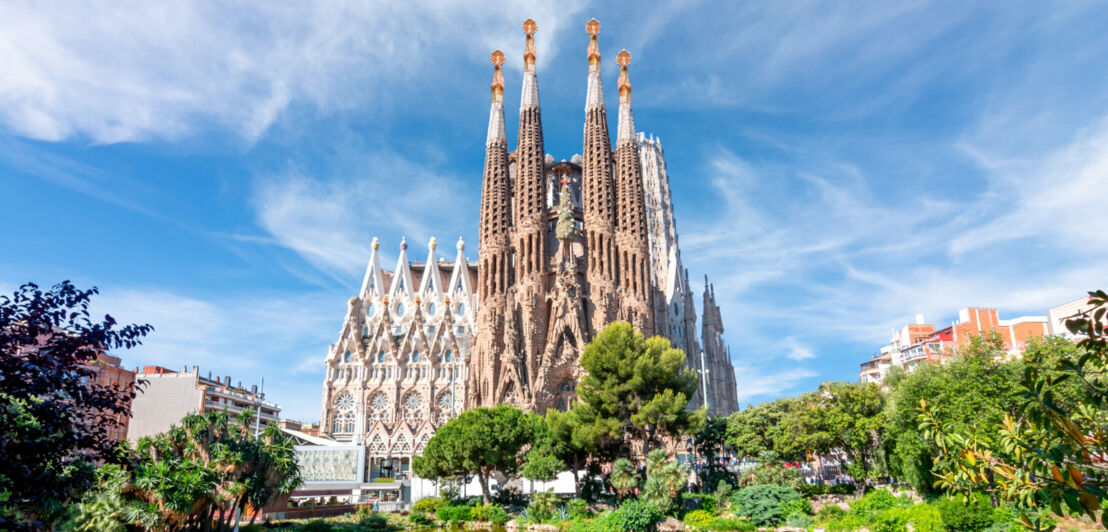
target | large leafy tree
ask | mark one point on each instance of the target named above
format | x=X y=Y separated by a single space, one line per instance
x=1053 y=454
x=852 y=421
x=788 y=427
x=479 y=442
x=975 y=391
x=555 y=448
x=710 y=444
x=635 y=389
x=199 y=472
x=55 y=420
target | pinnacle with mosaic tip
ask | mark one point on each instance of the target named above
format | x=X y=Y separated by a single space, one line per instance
x=624 y=83
x=497 y=59
x=529 y=27
x=593 y=29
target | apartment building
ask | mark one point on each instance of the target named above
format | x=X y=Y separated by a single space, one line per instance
x=168 y=396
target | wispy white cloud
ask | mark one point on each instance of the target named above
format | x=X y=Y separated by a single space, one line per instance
x=796 y=350
x=124 y=72
x=332 y=221
x=754 y=383
x=244 y=336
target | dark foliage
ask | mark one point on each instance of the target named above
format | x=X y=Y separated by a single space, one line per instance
x=54 y=421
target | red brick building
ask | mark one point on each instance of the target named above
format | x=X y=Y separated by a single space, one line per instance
x=111 y=374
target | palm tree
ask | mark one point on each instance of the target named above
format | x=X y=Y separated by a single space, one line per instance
x=623 y=477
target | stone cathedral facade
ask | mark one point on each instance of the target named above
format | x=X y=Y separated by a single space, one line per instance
x=566 y=247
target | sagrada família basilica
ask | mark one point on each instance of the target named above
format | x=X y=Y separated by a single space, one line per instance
x=566 y=247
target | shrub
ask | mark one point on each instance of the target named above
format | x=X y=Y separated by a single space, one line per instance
x=420 y=519
x=543 y=505
x=700 y=519
x=741 y=525
x=703 y=501
x=971 y=513
x=453 y=514
x=374 y=522
x=429 y=505
x=762 y=503
x=722 y=495
x=578 y=508
x=798 y=506
x=877 y=501
x=317 y=526
x=634 y=515
x=798 y=521
x=830 y=512
x=925 y=518
x=480 y=512
x=498 y=515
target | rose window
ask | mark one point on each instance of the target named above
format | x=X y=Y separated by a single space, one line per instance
x=413 y=406
x=446 y=406
x=379 y=406
x=345 y=402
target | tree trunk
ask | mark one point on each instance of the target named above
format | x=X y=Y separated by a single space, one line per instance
x=576 y=481
x=992 y=489
x=483 y=478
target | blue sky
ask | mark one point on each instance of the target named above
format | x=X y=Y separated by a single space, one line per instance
x=837 y=167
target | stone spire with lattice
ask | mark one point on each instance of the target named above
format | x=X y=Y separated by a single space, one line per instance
x=632 y=240
x=598 y=194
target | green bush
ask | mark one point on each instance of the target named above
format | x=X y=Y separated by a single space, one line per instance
x=600 y=524
x=830 y=512
x=799 y=506
x=707 y=501
x=876 y=502
x=733 y=524
x=429 y=505
x=578 y=508
x=480 y=512
x=762 y=503
x=634 y=515
x=969 y=513
x=798 y=521
x=699 y=519
x=317 y=526
x=453 y=514
x=925 y=518
x=420 y=519
x=498 y=515
x=374 y=522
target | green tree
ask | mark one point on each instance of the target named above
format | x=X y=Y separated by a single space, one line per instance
x=710 y=444
x=623 y=477
x=763 y=427
x=974 y=390
x=851 y=416
x=665 y=480
x=634 y=388
x=478 y=442
x=200 y=471
x=55 y=420
x=1052 y=455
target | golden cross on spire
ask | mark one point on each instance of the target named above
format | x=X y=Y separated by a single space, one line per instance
x=529 y=27
x=624 y=58
x=497 y=59
x=624 y=83
x=593 y=29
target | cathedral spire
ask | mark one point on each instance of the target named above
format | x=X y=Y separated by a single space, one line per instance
x=632 y=239
x=595 y=94
x=598 y=194
x=496 y=113
x=496 y=210
x=530 y=178
x=530 y=96
x=626 y=130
